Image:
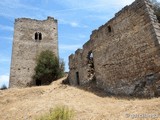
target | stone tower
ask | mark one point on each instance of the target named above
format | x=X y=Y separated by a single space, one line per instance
x=30 y=38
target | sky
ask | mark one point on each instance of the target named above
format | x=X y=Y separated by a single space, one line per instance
x=76 y=21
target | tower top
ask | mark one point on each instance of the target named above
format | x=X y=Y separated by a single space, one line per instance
x=28 y=19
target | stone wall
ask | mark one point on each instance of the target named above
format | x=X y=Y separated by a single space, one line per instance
x=126 y=54
x=26 y=48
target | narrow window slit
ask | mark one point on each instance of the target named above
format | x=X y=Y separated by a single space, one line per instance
x=109 y=29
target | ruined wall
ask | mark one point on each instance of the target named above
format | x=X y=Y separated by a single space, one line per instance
x=26 y=48
x=125 y=53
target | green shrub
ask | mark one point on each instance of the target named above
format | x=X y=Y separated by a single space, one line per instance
x=48 y=67
x=3 y=87
x=59 y=113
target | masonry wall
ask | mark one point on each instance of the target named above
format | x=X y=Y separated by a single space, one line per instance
x=126 y=53
x=26 y=48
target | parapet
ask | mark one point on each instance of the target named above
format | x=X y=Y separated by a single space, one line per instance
x=79 y=51
x=71 y=56
x=29 y=19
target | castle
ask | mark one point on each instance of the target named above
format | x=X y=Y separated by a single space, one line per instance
x=122 y=57
x=30 y=38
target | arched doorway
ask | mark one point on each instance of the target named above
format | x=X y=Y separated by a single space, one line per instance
x=38 y=83
x=91 y=70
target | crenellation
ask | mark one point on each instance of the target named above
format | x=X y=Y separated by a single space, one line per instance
x=49 y=18
x=78 y=51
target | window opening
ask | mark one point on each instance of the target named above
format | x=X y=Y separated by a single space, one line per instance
x=38 y=82
x=77 y=77
x=91 y=70
x=109 y=29
x=38 y=36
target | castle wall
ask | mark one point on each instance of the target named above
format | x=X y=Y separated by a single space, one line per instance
x=26 y=48
x=125 y=53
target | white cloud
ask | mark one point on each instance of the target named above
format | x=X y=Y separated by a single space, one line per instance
x=73 y=35
x=74 y=24
x=95 y=5
x=16 y=4
x=10 y=9
x=4 y=27
x=6 y=38
x=77 y=38
x=4 y=80
x=2 y=60
x=79 y=8
x=81 y=36
x=98 y=16
x=69 y=47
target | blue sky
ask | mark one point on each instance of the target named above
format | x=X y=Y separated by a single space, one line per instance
x=76 y=20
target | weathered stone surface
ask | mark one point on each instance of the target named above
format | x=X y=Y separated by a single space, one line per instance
x=126 y=53
x=26 y=48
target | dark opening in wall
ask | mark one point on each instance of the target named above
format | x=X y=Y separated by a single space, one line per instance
x=91 y=70
x=77 y=77
x=109 y=29
x=38 y=36
x=90 y=56
x=38 y=83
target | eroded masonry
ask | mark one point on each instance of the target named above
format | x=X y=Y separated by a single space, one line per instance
x=122 y=56
x=30 y=38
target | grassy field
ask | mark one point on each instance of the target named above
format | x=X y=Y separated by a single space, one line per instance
x=30 y=103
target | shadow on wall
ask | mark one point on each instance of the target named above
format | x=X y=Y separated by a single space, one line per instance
x=91 y=87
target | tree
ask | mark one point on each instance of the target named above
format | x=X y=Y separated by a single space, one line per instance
x=48 y=68
x=61 y=68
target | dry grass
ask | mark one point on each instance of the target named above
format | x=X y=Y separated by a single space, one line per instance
x=59 y=113
x=30 y=103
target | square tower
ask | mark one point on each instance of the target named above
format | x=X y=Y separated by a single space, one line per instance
x=31 y=37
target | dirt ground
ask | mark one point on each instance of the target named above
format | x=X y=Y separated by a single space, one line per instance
x=29 y=103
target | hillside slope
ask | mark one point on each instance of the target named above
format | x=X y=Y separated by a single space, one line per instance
x=29 y=103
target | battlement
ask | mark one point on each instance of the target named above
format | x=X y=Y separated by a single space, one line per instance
x=29 y=19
